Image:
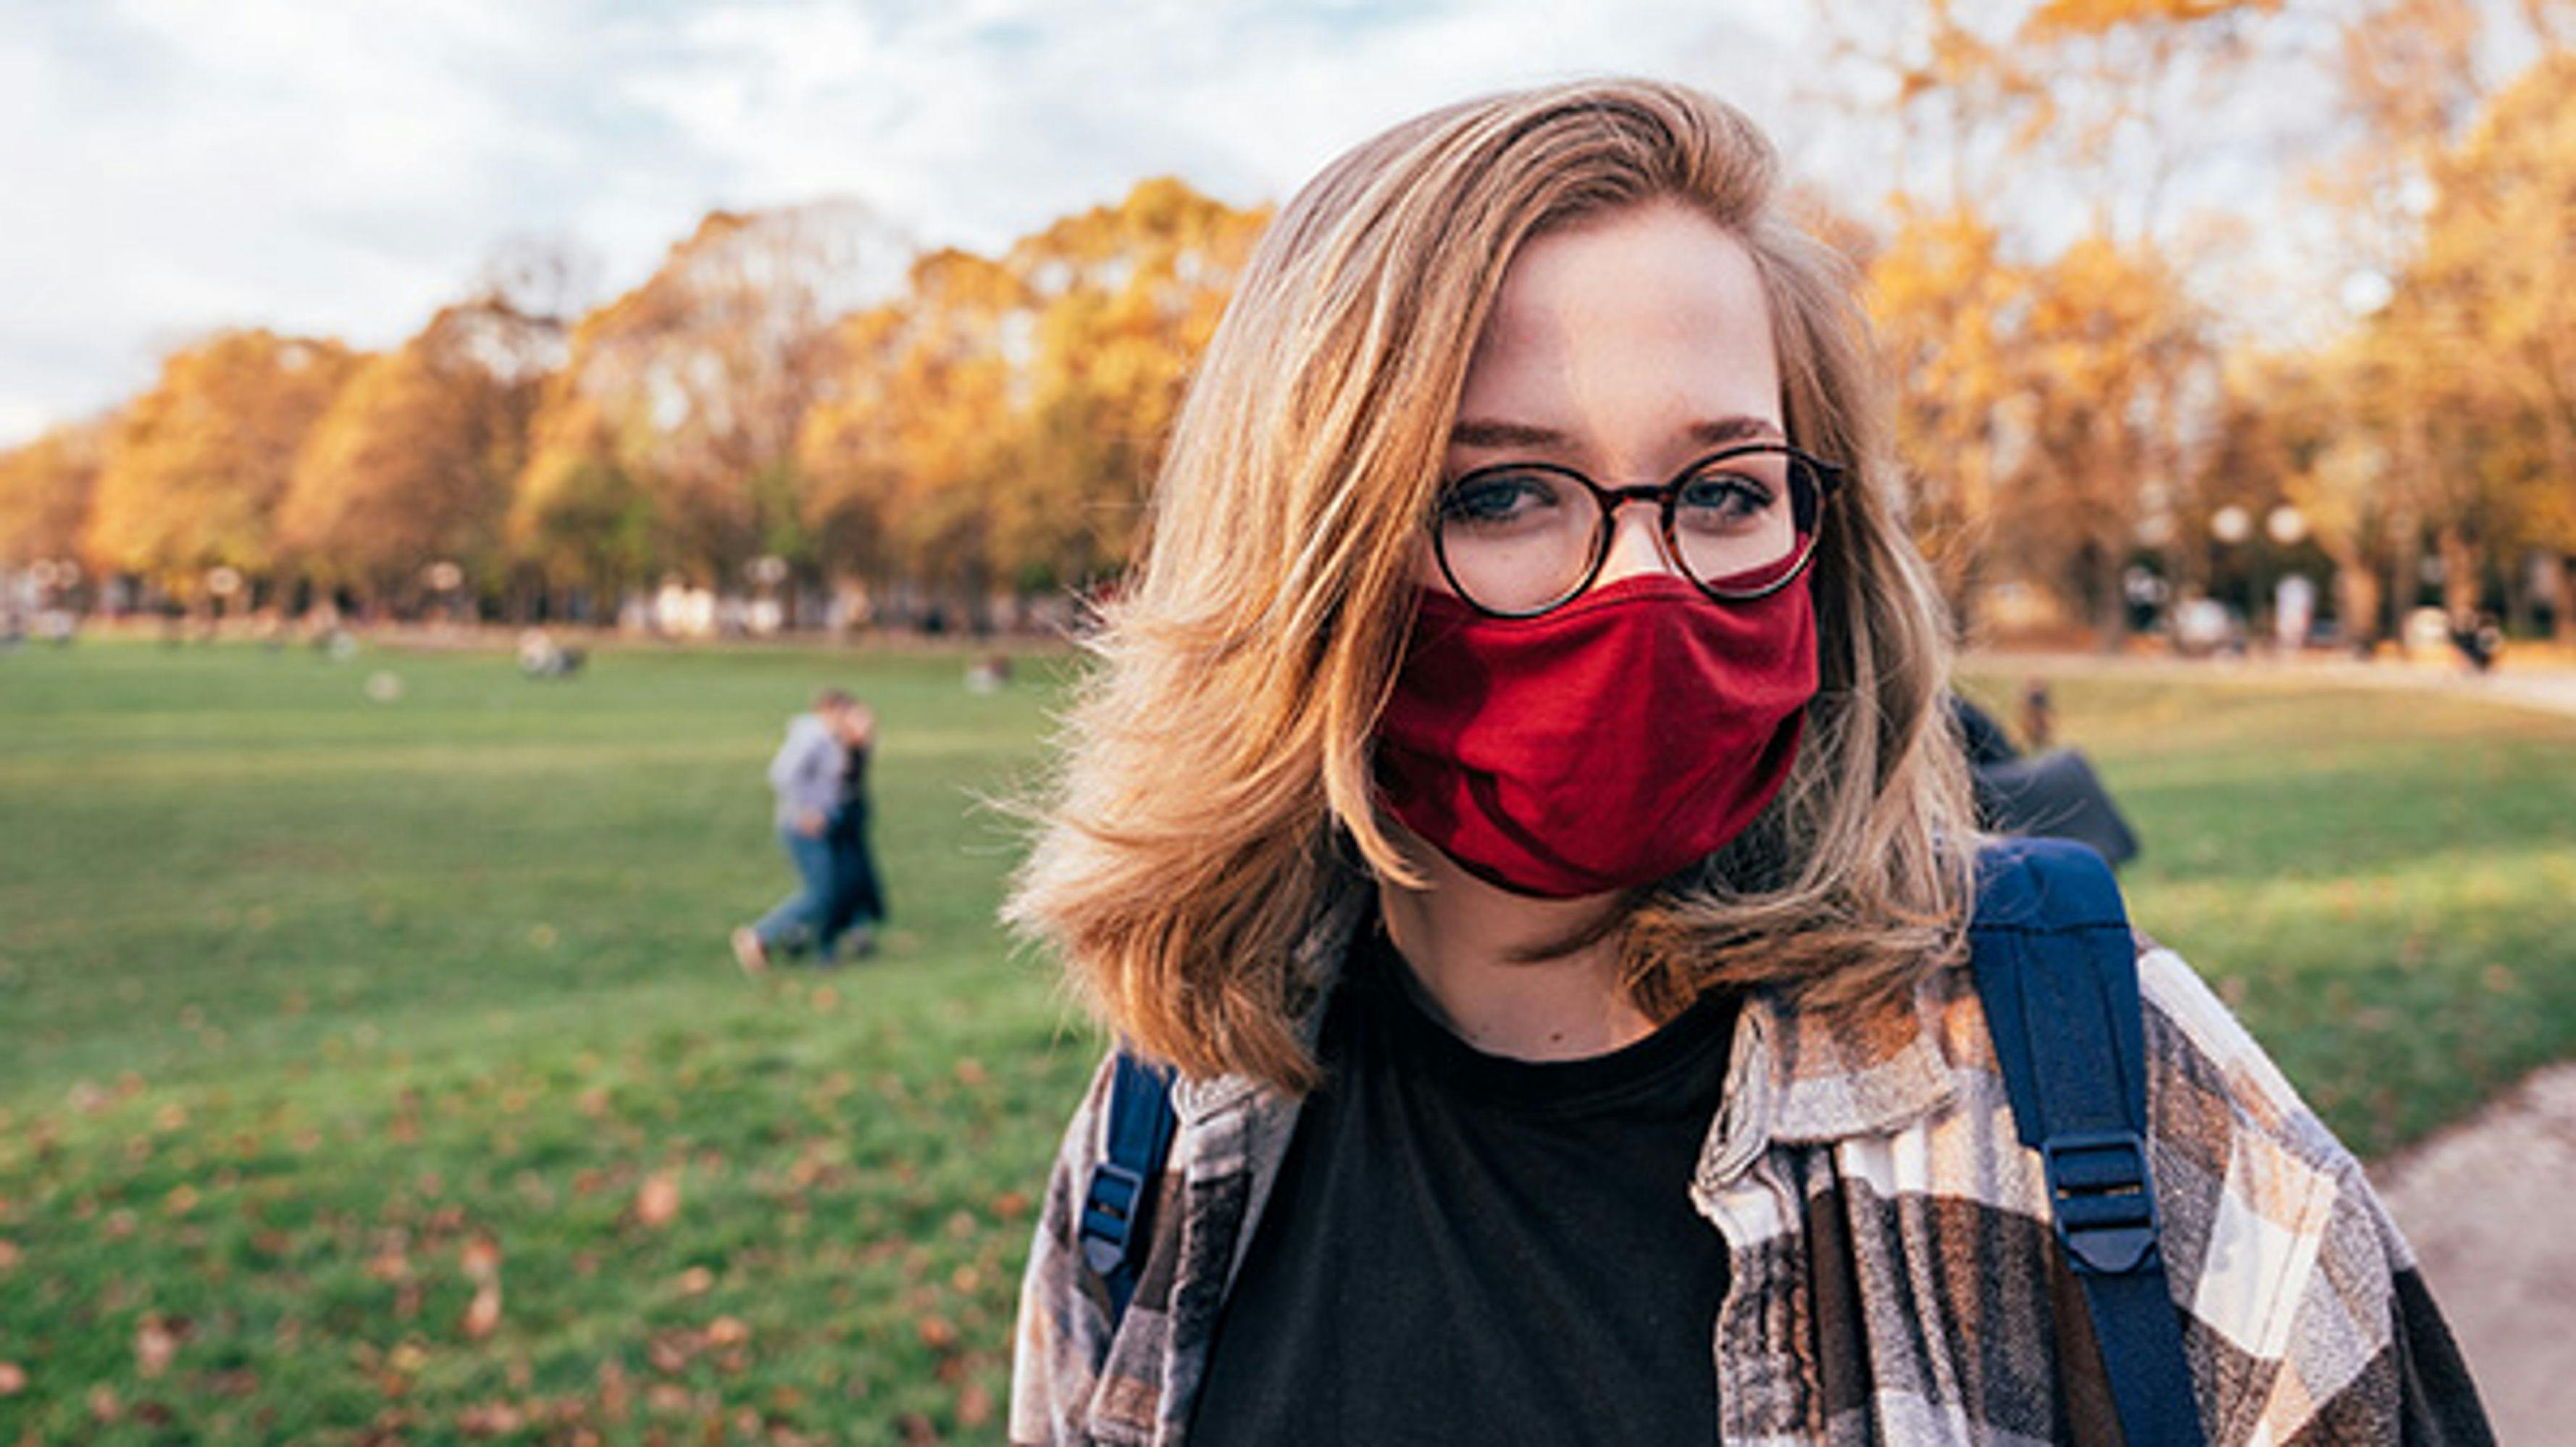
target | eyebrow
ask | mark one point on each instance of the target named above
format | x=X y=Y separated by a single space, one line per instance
x=1488 y=432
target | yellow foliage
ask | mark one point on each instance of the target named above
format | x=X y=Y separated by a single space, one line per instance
x=45 y=491
x=195 y=467
x=413 y=461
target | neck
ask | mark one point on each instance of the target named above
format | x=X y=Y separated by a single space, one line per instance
x=1469 y=946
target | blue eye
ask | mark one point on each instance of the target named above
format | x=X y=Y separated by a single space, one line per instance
x=1497 y=498
x=1724 y=498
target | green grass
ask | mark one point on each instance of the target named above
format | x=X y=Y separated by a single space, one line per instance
x=2382 y=883
x=306 y=995
x=313 y=1005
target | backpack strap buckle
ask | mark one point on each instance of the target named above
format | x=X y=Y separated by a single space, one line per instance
x=1109 y=1214
x=2102 y=1198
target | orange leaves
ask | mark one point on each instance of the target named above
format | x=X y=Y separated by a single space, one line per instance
x=480 y=1259
x=45 y=490
x=156 y=1343
x=482 y=1314
x=657 y=1201
x=195 y=467
x=2058 y=19
x=413 y=460
x=1003 y=416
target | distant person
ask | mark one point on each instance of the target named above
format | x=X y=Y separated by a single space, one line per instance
x=806 y=776
x=858 y=896
x=540 y=656
x=2478 y=640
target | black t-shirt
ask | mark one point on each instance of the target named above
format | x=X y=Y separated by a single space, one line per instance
x=1467 y=1248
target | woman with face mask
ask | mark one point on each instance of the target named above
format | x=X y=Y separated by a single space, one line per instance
x=1517 y=800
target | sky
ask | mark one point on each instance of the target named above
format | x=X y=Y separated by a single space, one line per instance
x=344 y=168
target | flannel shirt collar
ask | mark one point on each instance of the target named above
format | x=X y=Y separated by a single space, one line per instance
x=1797 y=1076
x=1803 y=1076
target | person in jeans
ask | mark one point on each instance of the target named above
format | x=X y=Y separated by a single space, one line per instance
x=806 y=776
x=858 y=895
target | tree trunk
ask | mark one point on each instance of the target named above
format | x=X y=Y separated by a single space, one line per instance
x=2357 y=604
x=2462 y=581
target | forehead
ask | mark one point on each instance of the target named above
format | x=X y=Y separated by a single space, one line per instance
x=1642 y=321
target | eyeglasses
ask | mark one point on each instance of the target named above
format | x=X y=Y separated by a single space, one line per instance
x=1518 y=539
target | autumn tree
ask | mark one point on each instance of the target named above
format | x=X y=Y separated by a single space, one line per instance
x=1126 y=298
x=2481 y=331
x=195 y=467
x=414 y=460
x=1948 y=308
x=671 y=428
x=2112 y=346
x=996 y=426
x=918 y=436
x=45 y=490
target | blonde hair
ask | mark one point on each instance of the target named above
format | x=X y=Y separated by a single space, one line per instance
x=1215 y=790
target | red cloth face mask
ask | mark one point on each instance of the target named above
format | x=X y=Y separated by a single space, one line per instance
x=1600 y=746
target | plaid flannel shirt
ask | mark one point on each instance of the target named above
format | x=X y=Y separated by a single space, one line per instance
x=1892 y=1273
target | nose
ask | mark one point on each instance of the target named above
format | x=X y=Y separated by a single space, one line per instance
x=1636 y=544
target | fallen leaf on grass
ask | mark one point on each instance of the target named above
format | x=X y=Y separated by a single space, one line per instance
x=726 y=1331
x=240 y=1383
x=672 y=1350
x=670 y=1399
x=657 y=1200
x=612 y=1391
x=696 y=1281
x=483 y=1314
x=490 y=1419
x=974 y=1406
x=481 y=1258
x=155 y=1342
x=13 y=1379
x=10 y=1255
x=103 y=1404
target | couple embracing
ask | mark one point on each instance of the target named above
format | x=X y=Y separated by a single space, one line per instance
x=820 y=776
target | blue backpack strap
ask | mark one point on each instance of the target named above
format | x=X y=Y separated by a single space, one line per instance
x=2057 y=971
x=1119 y=1199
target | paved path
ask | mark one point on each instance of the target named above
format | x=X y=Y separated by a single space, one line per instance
x=2490 y=1207
x=2490 y=1204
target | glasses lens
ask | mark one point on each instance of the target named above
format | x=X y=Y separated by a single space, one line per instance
x=1745 y=521
x=1517 y=540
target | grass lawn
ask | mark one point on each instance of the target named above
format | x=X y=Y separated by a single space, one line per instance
x=2382 y=883
x=375 y=1071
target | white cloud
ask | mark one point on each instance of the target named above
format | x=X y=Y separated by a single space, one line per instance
x=341 y=166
